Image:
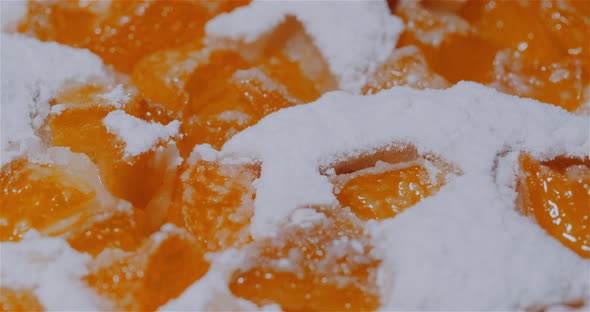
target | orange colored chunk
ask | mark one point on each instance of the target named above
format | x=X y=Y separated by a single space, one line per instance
x=319 y=265
x=231 y=100
x=215 y=202
x=405 y=67
x=161 y=269
x=137 y=178
x=385 y=190
x=122 y=32
x=65 y=197
x=557 y=195
x=18 y=300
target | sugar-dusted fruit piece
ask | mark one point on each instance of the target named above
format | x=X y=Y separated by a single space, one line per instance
x=404 y=67
x=318 y=262
x=83 y=111
x=233 y=99
x=560 y=83
x=214 y=201
x=161 y=269
x=382 y=184
x=451 y=46
x=121 y=32
x=63 y=195
x=19 y=300
x=556 y=194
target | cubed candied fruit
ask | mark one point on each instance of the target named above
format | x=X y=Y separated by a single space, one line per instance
x=556 y=194
x=404 y=67
x=64 y=196
x=122 y=32
x=161 y=269
x=382 y=184
x=318 y=262
x=136 y=178
x=215 y=202
x=229 y=105
x=19 y=300
x=535 y=49
x=450 y=45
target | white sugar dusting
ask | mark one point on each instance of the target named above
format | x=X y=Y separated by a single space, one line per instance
x=11 y=12
x=466 y=247
x=354 y=36
x=51 y=268
x=138 y=135
x=32 y=73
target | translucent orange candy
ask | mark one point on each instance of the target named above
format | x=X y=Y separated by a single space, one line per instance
x=214 y=202
x=161 y=269
x=65 y=197
x=557 y=195
x=536 y=49
x=385 y=190
x=18 y=300
x=321 y=265
x=136 y=179
x=122 y=32
x=405 y=67
x=227 y=95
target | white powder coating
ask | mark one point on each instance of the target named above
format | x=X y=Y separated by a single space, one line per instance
x=32 y=73
x=464 y=248
x=51 y=268
x=11 y=12
x=354 y=36
x=138 y=135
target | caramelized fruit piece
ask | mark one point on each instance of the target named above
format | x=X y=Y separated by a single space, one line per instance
x=214 y=202
x=19 y=300
x=405 y=67
x=450 y=45
x=121 y=32
x=561 y=84
x=161 y=269
x=321 y=264
x=161 y=76
x=66 y=197
x=385 y=190
x=136 y=178
x=228 y=106
x=557 y=194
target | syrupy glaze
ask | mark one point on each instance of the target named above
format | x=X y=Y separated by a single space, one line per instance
x=536 y=49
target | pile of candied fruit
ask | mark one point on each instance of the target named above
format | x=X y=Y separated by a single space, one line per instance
x=148 y=221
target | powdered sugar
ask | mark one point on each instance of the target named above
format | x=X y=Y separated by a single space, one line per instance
x=44 y=263
x=354 y=36
x=32 y=72
x=139 y=135
x=498 y=259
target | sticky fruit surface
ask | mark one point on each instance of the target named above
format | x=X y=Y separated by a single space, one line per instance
x=161 y=269
x=556 y=194
x=321 y=265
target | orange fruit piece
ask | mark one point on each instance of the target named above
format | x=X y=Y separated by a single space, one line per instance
x=215 y=202
x=19 y=300
x=65 y=197
x=136 y=178
x=232 y=99
x=451 y=45
x=122 y=32
x=559 y=83
x=385 y=190
x=404 y=67
x=161 y=269
x=320 y=265
x=556 y=194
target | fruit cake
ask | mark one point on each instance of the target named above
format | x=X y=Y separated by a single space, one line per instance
x=296 y=156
